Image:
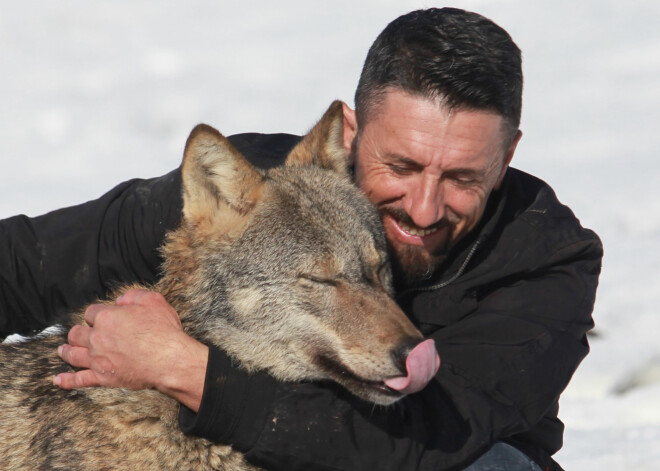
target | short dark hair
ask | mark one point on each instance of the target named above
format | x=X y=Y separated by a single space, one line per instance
x=461 y=58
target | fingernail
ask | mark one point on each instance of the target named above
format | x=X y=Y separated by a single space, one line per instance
x=57 y=380
x=60 y=349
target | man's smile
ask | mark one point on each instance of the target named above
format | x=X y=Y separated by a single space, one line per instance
x=416 y=231
x=409 y=234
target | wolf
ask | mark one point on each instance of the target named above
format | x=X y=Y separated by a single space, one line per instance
x=286 y=270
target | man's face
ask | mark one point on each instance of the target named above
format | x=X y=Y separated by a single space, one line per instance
x=430 y=172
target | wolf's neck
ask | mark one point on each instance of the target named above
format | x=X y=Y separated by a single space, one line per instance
x=172 y=290
x=191 y=309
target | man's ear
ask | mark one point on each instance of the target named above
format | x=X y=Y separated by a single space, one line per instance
x=219 y=184
x=323 y=145
x=508 y=157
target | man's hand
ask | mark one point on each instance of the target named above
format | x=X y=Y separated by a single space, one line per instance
x=138 y=343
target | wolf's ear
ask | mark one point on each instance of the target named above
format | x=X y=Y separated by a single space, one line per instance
x=324 y=144
x=218 y=182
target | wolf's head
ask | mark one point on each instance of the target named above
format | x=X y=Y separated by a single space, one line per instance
x=287 y=270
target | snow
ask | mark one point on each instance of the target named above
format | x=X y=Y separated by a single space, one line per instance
x=94 y=93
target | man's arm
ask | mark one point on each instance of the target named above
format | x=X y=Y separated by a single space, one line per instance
x=58 y=262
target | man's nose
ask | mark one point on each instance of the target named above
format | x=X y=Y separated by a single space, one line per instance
x=425 y=204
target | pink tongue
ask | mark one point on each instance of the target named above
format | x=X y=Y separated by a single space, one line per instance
x=422 y=364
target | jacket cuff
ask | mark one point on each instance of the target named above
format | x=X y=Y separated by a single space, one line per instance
x=235 y=404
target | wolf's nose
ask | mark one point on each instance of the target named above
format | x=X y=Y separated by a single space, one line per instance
x=421 y=364
x=400 y=353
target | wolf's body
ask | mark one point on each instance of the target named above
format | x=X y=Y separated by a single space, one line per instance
x=285 y=270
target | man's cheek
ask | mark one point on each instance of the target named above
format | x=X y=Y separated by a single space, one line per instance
x=384 y=188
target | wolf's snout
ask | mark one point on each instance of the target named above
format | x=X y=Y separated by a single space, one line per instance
x=420 y=364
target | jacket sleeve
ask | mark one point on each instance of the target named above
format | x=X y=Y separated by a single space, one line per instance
x=311 y=426
x=60 y=261
x=503 y=369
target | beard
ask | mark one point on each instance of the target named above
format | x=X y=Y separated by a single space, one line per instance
x=414 y=264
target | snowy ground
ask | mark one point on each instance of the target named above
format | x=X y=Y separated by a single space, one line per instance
x=94 y=93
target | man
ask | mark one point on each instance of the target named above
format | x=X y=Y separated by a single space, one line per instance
x=487 y=262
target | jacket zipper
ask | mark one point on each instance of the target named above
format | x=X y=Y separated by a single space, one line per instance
x=450 y=280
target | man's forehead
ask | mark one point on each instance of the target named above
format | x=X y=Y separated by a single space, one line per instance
x=464 y=142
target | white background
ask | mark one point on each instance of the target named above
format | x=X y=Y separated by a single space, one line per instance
x=93 y=93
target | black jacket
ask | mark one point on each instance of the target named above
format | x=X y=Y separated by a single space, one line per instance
x=509 y=311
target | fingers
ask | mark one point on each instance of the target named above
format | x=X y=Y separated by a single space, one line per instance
x=107 y=314
x=79 y=336
x=133 y=296
x=98 y=373
x=79 y=357
x=152 y=302
x=75 y=356
x=79 y=379
x=92 y=312
x=130 y=344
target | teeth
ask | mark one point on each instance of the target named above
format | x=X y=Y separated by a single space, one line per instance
x=417 y=232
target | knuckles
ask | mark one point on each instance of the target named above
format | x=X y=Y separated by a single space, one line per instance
x=104 y=318
x=96 y=340
x=141 y=296
x=74 y=333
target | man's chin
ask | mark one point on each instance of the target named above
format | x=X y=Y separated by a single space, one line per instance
x=414 y=258
x=412 y=265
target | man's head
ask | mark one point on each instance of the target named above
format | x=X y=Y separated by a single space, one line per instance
x=436 y=124
x=459 y=58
